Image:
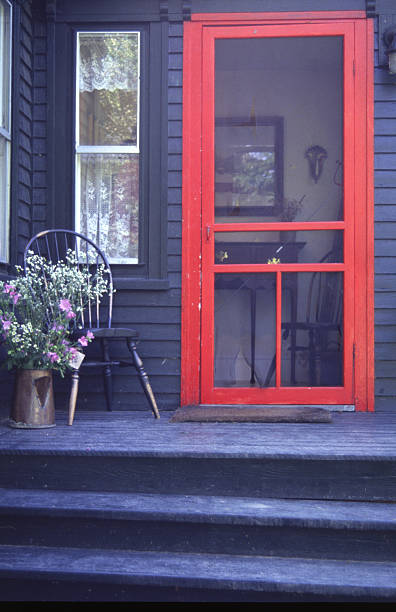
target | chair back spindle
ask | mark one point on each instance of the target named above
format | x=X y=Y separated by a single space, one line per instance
x=53 y=245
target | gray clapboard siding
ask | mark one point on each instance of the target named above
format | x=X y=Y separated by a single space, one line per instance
x=385 y=387
x=384 y=127
x=149 y=298
x=385 y=238
x=384 y=248
x=385 y=178
x=385 y=369
x=385 y=265
x=385 y=316
x=382 y=76
x=385 y=161
x=152 y=315
x=384 y=404
x=385 y=352
x=22 y=128
x=385 y=300
x=385 y=144
x=174 y=230
x=385 y=205
x=383 y=110
x=385 y=92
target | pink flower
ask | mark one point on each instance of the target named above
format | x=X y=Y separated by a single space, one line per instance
x=90 y=335
x=15 y=297
x=8 y=288
x=73 y=350
x=83 y=341
x=6 y=324
x=53 y=356
x=65 y=305
x=57 y=327
x=70 y=315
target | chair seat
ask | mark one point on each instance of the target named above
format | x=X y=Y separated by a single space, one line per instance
x=108 y=332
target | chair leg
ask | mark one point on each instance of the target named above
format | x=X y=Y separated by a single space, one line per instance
x=73 y=396
x=107 y=375
x=143 y=378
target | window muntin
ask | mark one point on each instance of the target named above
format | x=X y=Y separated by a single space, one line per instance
x=107 y=142
x=5 y=126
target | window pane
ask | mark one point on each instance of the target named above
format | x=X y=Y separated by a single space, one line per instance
x=108 y=88
x=312 y=329
x=279 y=129
x=109 y=203
x=4 y=196
x=5 y=63
x=324 y=246
x=245 y=319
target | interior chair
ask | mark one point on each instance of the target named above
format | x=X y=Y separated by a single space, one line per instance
x=322 y=327
x=97 y=318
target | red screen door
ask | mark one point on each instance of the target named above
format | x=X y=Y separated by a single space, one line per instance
x=277 y=215
x=277 y=306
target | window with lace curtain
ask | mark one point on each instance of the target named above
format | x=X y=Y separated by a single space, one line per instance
x=107 y=142
x=5 y=126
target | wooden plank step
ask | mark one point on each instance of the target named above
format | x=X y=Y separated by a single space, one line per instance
x=320 y=529
x=303 y=577
x=280 y=477
x=350 y=436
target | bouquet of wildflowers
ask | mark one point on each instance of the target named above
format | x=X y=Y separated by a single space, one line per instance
x=41 y=309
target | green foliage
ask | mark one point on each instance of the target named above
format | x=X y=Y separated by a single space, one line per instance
x=40 y=310
x=255 y=173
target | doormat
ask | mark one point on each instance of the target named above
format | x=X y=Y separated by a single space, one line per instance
x=249 y=414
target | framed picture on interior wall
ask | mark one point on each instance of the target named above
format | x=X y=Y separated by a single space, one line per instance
x=248 y=166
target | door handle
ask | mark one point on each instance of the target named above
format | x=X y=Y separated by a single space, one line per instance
x=208 y=228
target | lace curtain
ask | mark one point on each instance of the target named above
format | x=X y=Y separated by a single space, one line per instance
x=109 y=204
x=108 y=61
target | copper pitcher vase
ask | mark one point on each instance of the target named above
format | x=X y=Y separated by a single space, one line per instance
x=33 y=402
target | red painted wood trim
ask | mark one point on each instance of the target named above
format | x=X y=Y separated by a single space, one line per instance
x=279 y=226
x=284 y=395
x=209 y=393
x=278 y=328
x=360 y=280
x=349 y=208
x=281 y=30
x=207 y=281
x=191 y=228
x=370 y=211
x=286 y=267
x=256 y=17
x=363 y=253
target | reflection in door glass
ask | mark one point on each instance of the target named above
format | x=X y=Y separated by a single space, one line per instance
x=312 y=329
x=245 y=323
x=279 y=129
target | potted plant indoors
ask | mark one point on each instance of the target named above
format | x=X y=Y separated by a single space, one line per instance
x=40 y=313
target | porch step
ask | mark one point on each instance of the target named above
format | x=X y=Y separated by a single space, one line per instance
x=125 y=508
x=264 y=576
x=286 y=476
x=199 y=524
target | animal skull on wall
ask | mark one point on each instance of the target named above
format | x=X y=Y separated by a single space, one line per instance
x=316 y=156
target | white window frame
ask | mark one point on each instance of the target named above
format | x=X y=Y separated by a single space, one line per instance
x=5 y=133
x=79 y=149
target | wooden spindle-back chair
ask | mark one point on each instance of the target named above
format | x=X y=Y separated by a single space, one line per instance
x=96 y=317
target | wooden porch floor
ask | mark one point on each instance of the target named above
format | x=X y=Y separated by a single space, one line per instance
x=349 y=436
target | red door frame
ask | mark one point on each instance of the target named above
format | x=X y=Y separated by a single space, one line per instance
x=359 y=89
